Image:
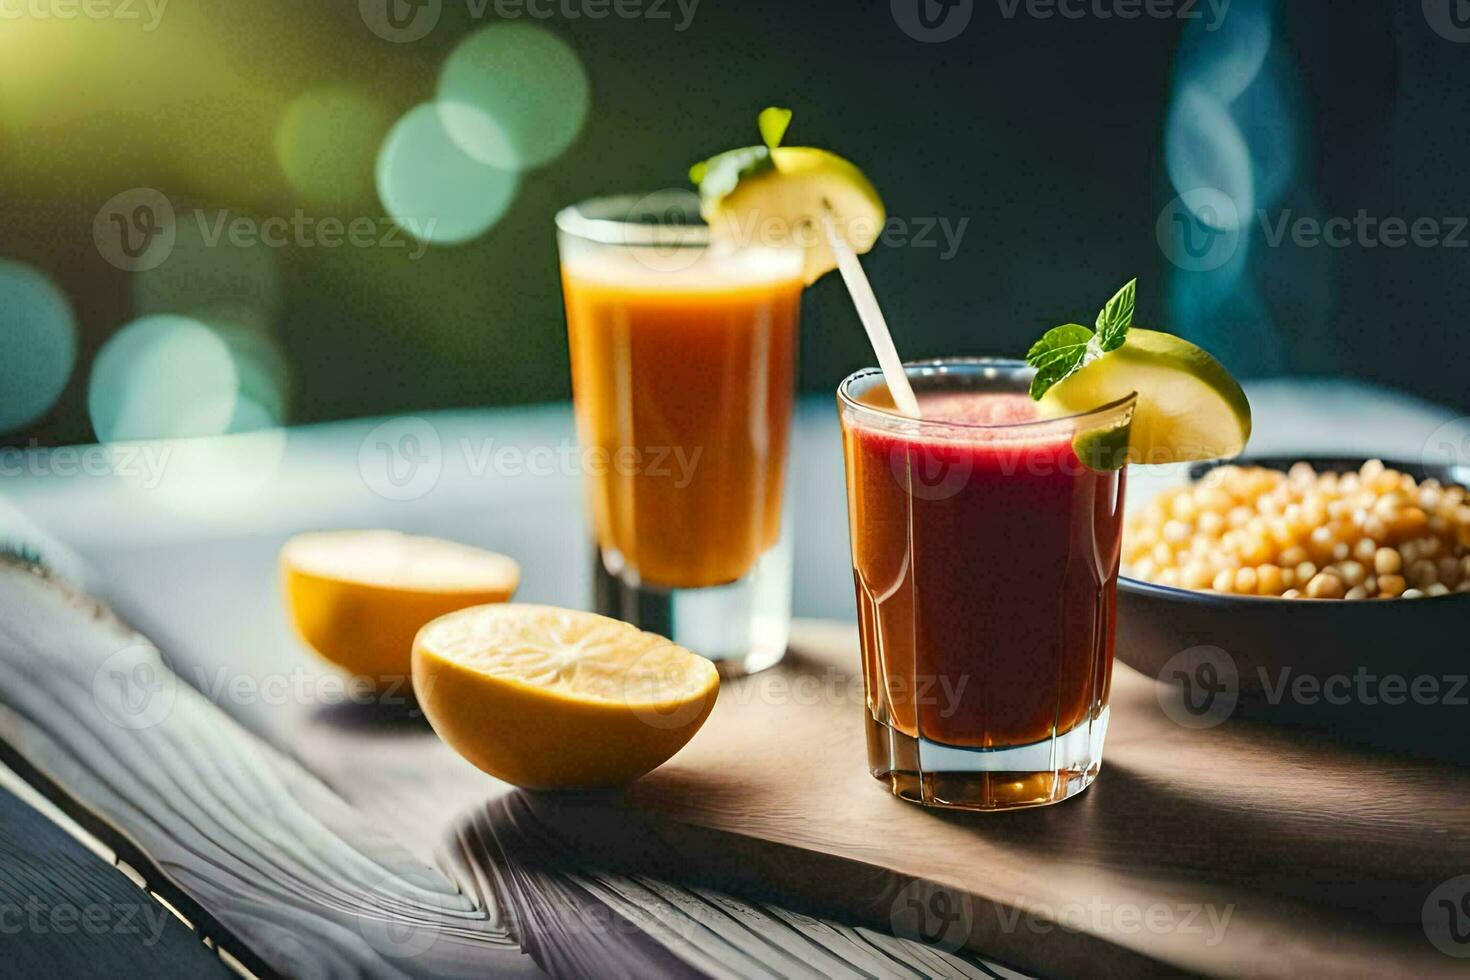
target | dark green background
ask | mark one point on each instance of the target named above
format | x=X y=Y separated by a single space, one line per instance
x=1045 y=134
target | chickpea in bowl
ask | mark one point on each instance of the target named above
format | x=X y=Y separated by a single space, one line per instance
x=1370 y=533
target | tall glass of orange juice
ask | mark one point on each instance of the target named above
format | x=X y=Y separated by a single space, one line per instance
x=683 y=353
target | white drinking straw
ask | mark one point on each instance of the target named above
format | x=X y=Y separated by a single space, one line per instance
x=872 y=317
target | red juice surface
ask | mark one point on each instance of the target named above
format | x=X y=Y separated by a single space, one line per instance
x=986 y=563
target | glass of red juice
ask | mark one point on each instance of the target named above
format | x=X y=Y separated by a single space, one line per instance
x=985 y=549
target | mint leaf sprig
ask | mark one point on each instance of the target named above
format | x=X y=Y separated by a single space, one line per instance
x=1065 y=350
x=718 y=175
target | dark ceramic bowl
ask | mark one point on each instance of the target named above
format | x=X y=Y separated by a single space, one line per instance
x=1389 y=673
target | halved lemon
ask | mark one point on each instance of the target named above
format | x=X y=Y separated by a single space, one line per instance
x=1189 y=407
x=778 y=196
x=359 y=597
x=549 y=698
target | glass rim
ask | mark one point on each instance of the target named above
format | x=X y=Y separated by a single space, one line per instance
x=574 y=220
x=941 y=365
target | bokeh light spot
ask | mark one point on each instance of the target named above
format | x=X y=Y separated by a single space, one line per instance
x=530 y=88
x=1204 y=148
x=40 y=344
x=326 y=143
x=162 y=377
x=261 y=366
x=1267 y=113
x=432 y=188
x=1227 y=57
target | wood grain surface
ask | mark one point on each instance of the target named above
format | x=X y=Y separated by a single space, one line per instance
x=286 y=877
x=586 y=897
x=1325 y=855
x=67 y=910
x=1321 y=857
x=262 y=857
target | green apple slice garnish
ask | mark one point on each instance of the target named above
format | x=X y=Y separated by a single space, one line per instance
x=1189 y=407
x=777 y=195
x=1105 y=449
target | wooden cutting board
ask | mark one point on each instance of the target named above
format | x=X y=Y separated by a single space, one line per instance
x=1233 y=850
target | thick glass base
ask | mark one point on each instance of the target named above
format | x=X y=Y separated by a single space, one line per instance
x=1011 y=778
x=743 y=626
